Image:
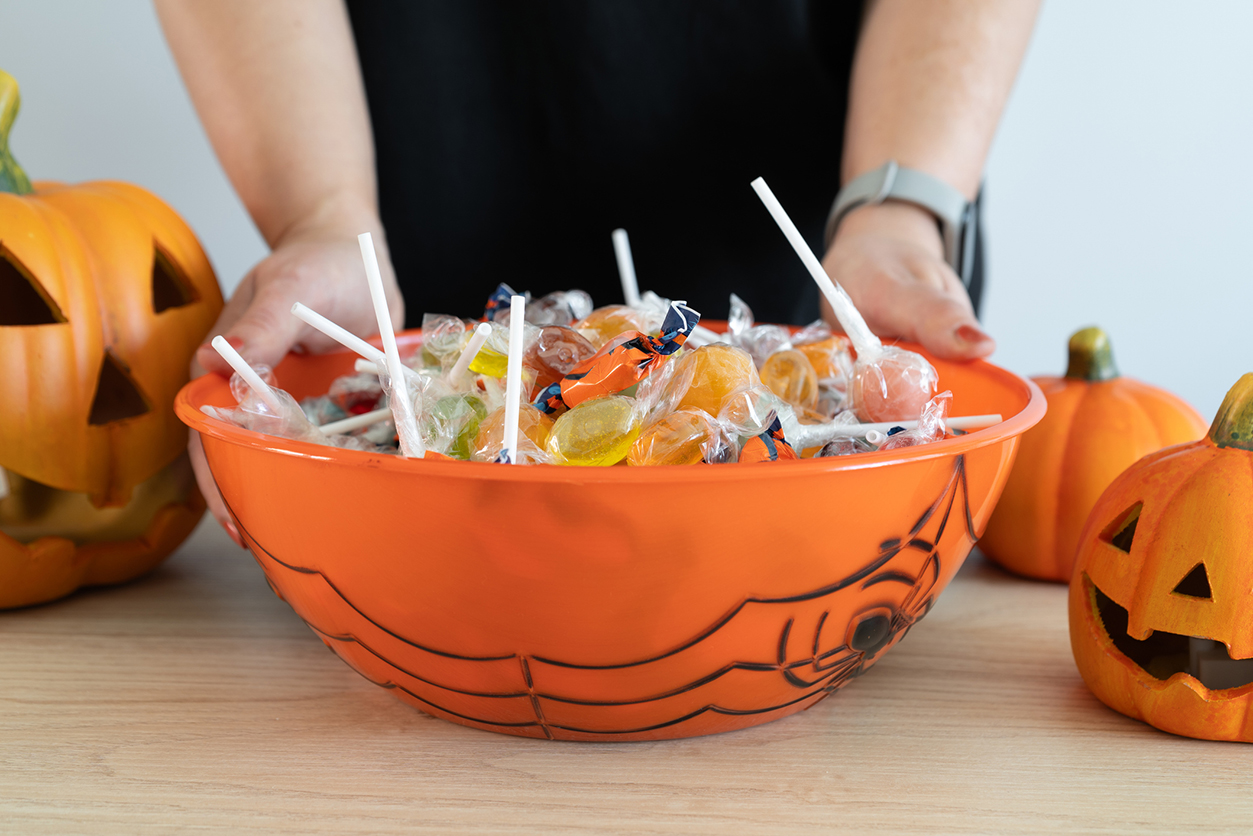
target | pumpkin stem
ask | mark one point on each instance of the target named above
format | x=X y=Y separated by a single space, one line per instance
x=1091 y=358
x=1233 y=425
x=12 y=178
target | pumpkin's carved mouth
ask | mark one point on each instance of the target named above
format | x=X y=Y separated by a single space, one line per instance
x=1163 y=654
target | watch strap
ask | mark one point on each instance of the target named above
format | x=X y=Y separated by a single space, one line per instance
x=893 y=181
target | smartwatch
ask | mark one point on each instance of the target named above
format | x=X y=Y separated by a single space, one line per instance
x=891 y=181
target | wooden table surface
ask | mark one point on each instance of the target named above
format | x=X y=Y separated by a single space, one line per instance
x=195 y=701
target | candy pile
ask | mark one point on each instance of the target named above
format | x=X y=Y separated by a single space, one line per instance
x=557 y=381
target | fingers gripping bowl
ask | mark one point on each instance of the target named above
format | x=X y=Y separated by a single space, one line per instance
x=610 y=603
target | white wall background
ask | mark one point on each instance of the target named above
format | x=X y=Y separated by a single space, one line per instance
x=1119 y=192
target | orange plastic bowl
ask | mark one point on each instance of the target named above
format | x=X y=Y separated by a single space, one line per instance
x=611 y=603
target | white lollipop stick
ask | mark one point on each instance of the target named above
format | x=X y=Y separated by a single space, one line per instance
x=480 y=335
x=402 y=407
x=811 y=435
x=704 y=336
x=626 y=268
x=348 y=340
x=250 y=376
x=356 y=422
x=854 y=325
x=513 y=377
x=364 y=366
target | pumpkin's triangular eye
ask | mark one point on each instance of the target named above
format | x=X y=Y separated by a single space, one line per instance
x=170 y=288
x=117 y=397
x=23 y=301
x=1122 y=531
x=1195 y=584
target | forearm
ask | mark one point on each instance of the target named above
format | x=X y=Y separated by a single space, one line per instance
x=930 y=79
x=278 y=88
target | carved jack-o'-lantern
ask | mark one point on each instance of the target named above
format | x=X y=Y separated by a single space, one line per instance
x=104 y=296
x=1097 y=425
x=1161 y=602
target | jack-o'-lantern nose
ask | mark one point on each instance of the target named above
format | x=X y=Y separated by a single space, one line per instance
x=117 y=396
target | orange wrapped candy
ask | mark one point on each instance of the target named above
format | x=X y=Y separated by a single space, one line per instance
x=770 y=446
x=791 y=376
x=620 y=364
x=714 y=372
x=678 y=438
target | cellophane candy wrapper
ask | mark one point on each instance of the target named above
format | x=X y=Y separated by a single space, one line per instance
x=740 y=319
x=450 y=424
x=722 y=446
x=356 y=394
x=845 y=446
x=750 y=410
x=493 y=358
x=892 y=384
x=322 y=410
x=660 y=393
x=290 y=421
x=533 y=431
x=931 y=425
x=832 y=359
x=680 y=437
x=415 y=393
x=555 y=352
x=443 y=337
x=561 y=307
x=790 y=375
x=760 y=341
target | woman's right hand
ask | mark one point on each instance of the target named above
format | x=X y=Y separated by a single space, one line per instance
x=320 y=267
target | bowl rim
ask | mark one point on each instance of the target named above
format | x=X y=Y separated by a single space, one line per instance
x=195 y=393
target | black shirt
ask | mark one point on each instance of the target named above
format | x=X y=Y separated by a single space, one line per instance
x=513 y=137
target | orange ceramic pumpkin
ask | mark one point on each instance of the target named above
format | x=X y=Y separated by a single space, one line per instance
x=1097 y=424
x=104 y=296
x=1161 y=603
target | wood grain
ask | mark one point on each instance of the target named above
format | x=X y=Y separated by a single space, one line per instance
x=196 y=701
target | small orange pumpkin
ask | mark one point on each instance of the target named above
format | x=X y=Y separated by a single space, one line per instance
x=104 y=296
x=1097 y=424
x=1161 y=602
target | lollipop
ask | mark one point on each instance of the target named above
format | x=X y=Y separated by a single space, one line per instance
x=263 y=408
x=888 y=382
x=395 y=383
x=533 y=430
x=513 y=380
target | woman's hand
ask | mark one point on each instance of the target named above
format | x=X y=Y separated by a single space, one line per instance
x=320 y=267
x=890 y=259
